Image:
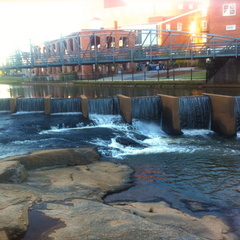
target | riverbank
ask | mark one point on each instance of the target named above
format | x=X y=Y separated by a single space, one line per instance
x=68 y=185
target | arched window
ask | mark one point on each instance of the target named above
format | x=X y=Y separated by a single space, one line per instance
x=110 y=42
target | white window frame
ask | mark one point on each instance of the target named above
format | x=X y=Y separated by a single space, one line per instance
x=168 y=27
x=204 y=12
x=231 y=27
x=204 y=37
x=204 y=25
x=180 y=6
x=179 y=26
x=190 y=6
x=229 y=9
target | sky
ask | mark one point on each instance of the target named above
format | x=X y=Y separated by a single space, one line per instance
x=36 y=21
x=22 y=21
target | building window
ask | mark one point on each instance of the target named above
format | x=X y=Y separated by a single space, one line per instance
x=168 y=27
x=229 y=9
x=230 y=27
x=192 y=26
x=190 y=6
x=204 y=12
x=204 y=25
x=179 y=26
x=180 y=6
x=204 y=38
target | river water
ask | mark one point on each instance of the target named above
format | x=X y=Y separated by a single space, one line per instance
x=70 y=91
x=197 y=172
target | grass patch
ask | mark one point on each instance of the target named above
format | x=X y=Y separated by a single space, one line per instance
x=142 y=83
x=12 y=80
x=183 y=75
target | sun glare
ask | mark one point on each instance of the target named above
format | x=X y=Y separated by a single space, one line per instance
x=37 y=21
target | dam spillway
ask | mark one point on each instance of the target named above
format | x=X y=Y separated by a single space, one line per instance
x=104 y=106
x=65 y=105
x=237 y=112
x=216 y=112
x=30 y=104
x=195 y=112
x=146 y=108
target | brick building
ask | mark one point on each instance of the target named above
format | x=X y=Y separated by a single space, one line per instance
x=220 y=17
x=224 y=17
x=87 y=43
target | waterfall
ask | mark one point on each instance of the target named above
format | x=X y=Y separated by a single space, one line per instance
x=237 y=112
x=62 y=105
x=30 y=104
x=4 y=104
x=104 y=106
x=195 y=112
x=146 y=108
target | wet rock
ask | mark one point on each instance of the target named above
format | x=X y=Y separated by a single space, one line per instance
x=3 y=235
x=208 y=227
x=92 y=181
x=125 y=141
x=54 y=157
x=12 y=172
x=14 y=220
x=95 y=220
x=73 y=194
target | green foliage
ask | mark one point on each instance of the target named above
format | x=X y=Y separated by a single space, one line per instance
x=69 y=76
x=202 y=63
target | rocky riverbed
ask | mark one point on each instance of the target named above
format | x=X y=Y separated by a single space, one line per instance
x=71 y=184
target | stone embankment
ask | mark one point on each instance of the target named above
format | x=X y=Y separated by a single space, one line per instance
x=71 y=183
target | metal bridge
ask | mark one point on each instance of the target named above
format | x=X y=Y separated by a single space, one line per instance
x=123 y=45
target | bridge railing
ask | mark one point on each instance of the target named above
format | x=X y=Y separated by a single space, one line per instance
x=174 y=45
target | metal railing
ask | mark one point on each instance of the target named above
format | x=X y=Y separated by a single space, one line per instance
x=155 y=45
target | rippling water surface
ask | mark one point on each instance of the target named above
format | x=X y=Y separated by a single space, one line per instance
x=198 y=172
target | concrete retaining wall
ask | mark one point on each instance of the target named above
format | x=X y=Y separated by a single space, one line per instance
x=223 y=115
x=47 y=105
x=229 y=73
x=170 y=115
x=13 y=104
x=84 y=106
x=125 y=108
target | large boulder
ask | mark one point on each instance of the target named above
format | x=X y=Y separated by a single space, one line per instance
x=54 y=157
x=12 y=172
x=14 y=220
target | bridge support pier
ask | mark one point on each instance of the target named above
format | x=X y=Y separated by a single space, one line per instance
x=170 y=115
x=223 y=115
x=224 y=71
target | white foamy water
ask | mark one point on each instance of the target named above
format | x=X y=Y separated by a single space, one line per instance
x=148 y=138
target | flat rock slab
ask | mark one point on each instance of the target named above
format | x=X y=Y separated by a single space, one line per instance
x=70 y=184
x=92 y=181
x=94 y=220
x=55 y=157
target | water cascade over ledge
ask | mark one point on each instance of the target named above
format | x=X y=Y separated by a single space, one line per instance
x=30 y=104
x=104 y=106
x=237 y=112
x=146 y=108
x=61 y=105
x=195 y=112
x=5 y=104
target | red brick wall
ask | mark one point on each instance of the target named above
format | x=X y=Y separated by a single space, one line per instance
x=218 y=22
